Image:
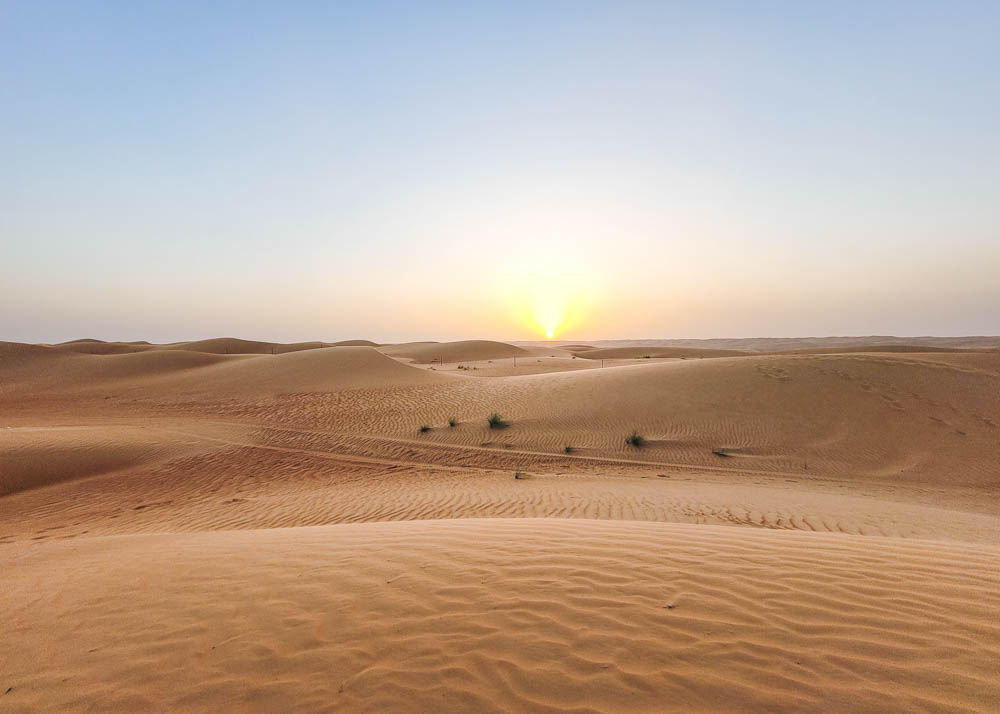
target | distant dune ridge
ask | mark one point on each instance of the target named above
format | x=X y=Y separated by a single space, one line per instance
x=239 y=524
x=467 y=350
x=650 y=352
x=781 y=344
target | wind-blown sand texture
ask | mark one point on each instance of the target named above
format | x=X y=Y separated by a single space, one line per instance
x=232 y=525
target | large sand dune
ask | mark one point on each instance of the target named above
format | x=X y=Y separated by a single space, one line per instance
x=187 y=529
x=785 y=344
x=216 y=345
x=465 y=351
x=651 y=352
x=532 y=615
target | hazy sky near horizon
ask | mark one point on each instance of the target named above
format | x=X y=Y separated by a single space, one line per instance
x=399 y=171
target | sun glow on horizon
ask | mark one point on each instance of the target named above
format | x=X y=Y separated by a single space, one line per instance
x=549 y=307
x=550 y=296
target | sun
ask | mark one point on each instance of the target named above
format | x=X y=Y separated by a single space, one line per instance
x=548 y=308
x=545 y=298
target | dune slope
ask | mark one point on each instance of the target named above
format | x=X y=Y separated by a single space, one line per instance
x=498 y=615
x=464 y=351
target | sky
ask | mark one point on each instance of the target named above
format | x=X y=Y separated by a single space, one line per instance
x=505 y=170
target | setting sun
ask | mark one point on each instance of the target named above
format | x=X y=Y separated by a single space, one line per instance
x=545 y=298
x=549 y=307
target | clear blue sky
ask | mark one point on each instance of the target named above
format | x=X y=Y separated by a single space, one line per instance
x=447 y=170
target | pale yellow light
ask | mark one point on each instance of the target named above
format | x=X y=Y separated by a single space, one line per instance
x=549 y=306
x=544 y=296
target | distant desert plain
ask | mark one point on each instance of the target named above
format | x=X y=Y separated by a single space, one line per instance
x=652 y=525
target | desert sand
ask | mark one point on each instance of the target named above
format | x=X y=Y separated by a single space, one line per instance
x=235 y=525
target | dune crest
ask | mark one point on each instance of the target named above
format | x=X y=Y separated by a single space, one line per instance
x=466 y=350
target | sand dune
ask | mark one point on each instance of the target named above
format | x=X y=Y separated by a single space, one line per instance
x=465 y=351
x=884 y=417
x=876 y=348
x=33 y=457
x=891 y=419
x=354 y=343
x=169 y=373
x=491 y=615
x=233 y=346
x=304 y=371
x=654 y=352
x=187 y=529
x=576 y=348
x=230 y=476
x=96 y=347
x=218 y=345
x=57 y=370
x=786 y=344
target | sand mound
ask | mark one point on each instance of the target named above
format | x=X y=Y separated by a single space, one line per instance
x=170 y=373
x=354 y=343
x=886 y=417
x=68 y=371
x=786 y=344
x=218 y=345
x=655 y=352
x=325 y=370
x=931 y=419
x=96 y=347
x=234 y=346
x=30 y=366
x=464 y=351
x=253 y=477
x=489 y=615
x=891 y=348
x=40 y=456
x=18 y=354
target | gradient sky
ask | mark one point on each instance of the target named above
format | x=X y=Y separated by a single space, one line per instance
x=421 y=170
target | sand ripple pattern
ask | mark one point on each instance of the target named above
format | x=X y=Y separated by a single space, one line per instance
x=493 y=615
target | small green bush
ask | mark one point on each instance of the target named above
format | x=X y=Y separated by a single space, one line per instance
x=452 y=421
x=635 y=439
x=568 y=449
x=496 y=421
x=424 y=427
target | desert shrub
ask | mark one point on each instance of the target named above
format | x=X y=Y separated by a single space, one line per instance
x=496 y=421
x=635 y=439
x=424 y=427
x=452 y=421
x=568 y=449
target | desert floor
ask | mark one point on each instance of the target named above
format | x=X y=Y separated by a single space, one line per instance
x=228 y=525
